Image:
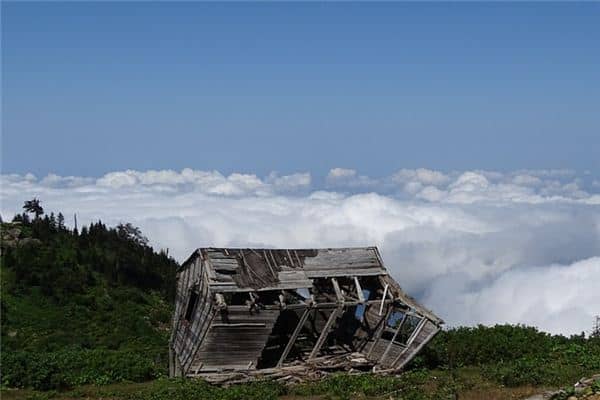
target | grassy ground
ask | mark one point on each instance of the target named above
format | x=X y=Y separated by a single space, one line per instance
x=464 y=384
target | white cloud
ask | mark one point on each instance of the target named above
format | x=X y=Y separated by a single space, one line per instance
x=337 y=173
x=475 y=246
x=211 y=182
x=559 y=298
x=421 y=175
x=298 y=181
x=349 y=179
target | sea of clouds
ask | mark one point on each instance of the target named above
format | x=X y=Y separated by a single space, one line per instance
x=474 y=246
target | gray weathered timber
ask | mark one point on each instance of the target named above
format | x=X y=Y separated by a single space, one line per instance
x=242 y=314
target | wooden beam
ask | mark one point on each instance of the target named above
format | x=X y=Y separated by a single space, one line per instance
x=385 y=289
x=379 y=332
x=269 y=264
x=332 y=317
x=289 y=256
x=273 y=257
x=313 y=305
x=361 y=296
x=338 y=291
x=298 y=258
x=292 y=339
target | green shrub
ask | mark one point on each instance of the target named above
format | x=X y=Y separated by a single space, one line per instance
x=68 y=368
x=562 y=365
x=187 y=389
x=345 y=386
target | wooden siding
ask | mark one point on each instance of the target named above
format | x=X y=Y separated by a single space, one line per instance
x=235 y=340
x=189 y=334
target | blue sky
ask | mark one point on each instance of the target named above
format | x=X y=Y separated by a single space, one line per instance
x=462 y=139
x=90 y=88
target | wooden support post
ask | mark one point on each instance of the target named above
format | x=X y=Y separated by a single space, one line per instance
x=389 y=346
x=220 y=300
x=282 y=300
x=359 y=292
x=292 y=340
x=332 y=317
x=338 y=291
x=379 y=332
x=289 y=256
x=385 y=289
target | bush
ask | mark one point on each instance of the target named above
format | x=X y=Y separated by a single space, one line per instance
x=346 y=386
x=68 y=368
x=187 y=389
x=514 y=355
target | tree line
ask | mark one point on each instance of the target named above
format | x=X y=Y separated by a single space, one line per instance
x=63 y=261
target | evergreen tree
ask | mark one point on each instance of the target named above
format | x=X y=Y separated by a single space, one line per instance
x=52 y=221
x=596 y=330
x=34 y=206
x=61 y=221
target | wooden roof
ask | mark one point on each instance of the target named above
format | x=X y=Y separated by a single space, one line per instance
x=267 y=269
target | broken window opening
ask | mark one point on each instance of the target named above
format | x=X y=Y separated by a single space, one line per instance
x=303 y=292
x=360 y=309
x=191 y=306
x=394 y=319
x=407 y=329
x=236 y=298
x=373 y=285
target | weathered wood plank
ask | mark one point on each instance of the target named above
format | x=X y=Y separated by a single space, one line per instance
x=293 y=337
x=398 y=328
x=332 y=317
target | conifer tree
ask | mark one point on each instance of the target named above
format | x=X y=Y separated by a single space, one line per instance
x=34 y=206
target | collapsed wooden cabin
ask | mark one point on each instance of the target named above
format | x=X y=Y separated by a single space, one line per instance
x=244 y=313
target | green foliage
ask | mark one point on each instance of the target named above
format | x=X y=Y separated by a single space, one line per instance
x=563 y=365
x=180 y=389
x=63 y=263
x=33 y=206
x=68 y=368
x=514 y=355
x=596 y=386
x=344 y=386
x=82 y=308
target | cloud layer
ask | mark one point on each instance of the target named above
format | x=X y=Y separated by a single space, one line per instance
x=474 y=246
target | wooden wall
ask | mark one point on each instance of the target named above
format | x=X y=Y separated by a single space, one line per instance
x=235 y=340
x=188 y=335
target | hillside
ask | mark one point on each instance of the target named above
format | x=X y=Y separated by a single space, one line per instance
x=82 y=307
x=93 y=307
